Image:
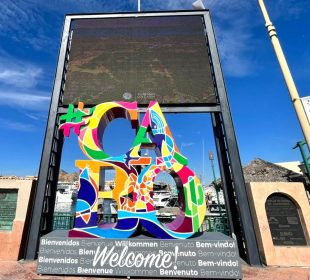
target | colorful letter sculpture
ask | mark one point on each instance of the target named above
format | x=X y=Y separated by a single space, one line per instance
x=135 y=174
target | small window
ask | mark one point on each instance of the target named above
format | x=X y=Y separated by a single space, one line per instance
x=8 y=201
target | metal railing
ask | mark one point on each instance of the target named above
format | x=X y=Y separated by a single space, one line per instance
x=63 y=220
x=214 y=223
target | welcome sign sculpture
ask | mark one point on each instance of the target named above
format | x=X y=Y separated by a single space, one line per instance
x=78 y=253
x=135 y=174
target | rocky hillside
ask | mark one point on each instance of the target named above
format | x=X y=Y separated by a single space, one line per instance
x=67 y=177
x=259 y=170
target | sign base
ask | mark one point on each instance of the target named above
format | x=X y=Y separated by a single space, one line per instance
x=209 y=255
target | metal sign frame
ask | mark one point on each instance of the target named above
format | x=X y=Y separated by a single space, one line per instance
x=238 y=209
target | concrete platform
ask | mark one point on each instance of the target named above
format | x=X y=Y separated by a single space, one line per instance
x=25 y=270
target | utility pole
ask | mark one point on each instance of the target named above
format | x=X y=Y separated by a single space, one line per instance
x=300 y=112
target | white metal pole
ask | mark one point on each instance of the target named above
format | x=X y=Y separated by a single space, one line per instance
x=139 y=6
x=300 y=112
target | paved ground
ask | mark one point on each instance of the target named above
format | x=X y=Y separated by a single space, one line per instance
x=26 y=271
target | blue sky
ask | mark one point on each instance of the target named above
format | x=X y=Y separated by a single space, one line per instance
x=264 y=119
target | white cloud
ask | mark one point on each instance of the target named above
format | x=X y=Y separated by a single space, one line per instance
x=18 y=73
x=25 y=22
x=233 y=28
x=166 y=5
x=31 y=101
x=234 y=45
x=33 y=116
x=18 y=84
x=186 y=144
x=26 y=76
x=79 y=6
x=13 y=125
x=287 y=8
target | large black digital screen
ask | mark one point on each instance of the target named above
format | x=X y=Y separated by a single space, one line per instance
x=163 y=58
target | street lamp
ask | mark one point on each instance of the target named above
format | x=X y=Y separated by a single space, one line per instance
x=216 y=186
x=301 y=115
x=198 y=5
